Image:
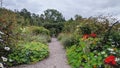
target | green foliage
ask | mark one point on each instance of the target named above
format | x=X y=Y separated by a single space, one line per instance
x=28 y=53
x=70 y=27
x=41 y=38
x=34 y=33
x=68 y=39
x=82 y=56
x=55 y=28
x=37 y=30
x=52 y=16
x=114 y=38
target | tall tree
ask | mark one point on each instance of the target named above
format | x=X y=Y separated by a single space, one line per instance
x=27 y=16
x=53 y=16
x=78 y=17
x=52 y=20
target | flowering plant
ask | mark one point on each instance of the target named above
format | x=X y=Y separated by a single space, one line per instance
x=4 y=51
x=86 y=36
x=93 y=35
x=110 y=60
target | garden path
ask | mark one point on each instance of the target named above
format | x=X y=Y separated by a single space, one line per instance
x=57 y=58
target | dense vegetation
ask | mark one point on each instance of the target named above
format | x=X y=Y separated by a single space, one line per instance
x=91 y=42
x=21 y=36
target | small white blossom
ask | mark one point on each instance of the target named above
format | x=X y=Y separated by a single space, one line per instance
x=110 y=49
x=23 y=30
x=4 y=59
x=117 y=59
x=105 y=55
x=77 y=29
x=112 y=52
x=1 y=32
x=113 y=42
x=1 y=65
x=7 y=48
x=103 y=52
x=1 y=40
x=95 y=56
x=110 y=39
x=113 y=45
x=10 y=60
x=78 y=26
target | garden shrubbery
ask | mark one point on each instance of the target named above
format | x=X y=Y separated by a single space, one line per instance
x=30 y=52
x=89 y=47
x=35 y=30
x=32 y=47
x=21 y=44
x=35 y=33
x=68 y=39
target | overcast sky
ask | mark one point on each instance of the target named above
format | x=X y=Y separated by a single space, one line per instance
x=68 y=8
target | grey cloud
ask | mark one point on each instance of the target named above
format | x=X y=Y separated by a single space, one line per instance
x=69 y=8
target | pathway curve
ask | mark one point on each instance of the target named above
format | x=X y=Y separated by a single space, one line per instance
x=57 y=58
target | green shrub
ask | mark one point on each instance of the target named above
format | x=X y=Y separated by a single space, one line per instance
x=37 y=30
x=68 y=40
x=34 y=33
x=82 y=56
x=115 y=39
x=41 y=38
x=55 y=28
x=28 y=53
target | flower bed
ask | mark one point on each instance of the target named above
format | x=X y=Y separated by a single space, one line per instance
x=89 y=54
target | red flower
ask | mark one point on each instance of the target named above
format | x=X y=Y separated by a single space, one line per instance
x=93 y=35
x=110 y=60
x=85 y=36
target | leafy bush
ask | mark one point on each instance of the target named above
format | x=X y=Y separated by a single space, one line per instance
x=28 y=53
x=114 y=39
x=37 y=30
x=41 y=38
x=34 y=33
x=68 y=40
x=55 y=28
x=88 y=55
x=82 y=56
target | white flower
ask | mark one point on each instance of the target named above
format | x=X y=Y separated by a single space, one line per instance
x=78 y=26
x=117 y=59
x=110 y=49
x=110 y=39
x=113 y=45
x=95 y=56
x=77 y=29
x=1 y=65
x=7 y=48
x=103 y=52
x=113 y=42
x=4 y=59
x=1 y=40
x=112 y=52
x=10 y=60
x=1 y=32
x=105 y=55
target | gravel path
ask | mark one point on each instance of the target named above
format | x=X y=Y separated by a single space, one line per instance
x=57 y=58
